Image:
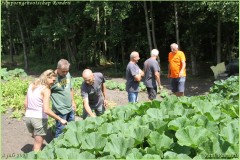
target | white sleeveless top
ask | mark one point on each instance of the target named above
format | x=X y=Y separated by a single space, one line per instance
x=35 y=103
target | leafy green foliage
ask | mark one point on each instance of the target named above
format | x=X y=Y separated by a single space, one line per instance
x=226 y=88
x=13 y=96
x=7 y=75
x=184 y=127
x=142 y=87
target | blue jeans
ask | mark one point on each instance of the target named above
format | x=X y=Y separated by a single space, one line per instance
x=132 y=97
x=68 y=117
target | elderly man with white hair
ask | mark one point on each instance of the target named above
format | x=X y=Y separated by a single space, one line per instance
x=177 y=70
x=152 y=75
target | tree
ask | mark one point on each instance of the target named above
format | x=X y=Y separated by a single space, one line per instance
x=147 y=26
x=225 y=12
x=23 y=42
x=176 y=23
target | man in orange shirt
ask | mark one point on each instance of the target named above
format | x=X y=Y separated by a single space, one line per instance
x=177 y=70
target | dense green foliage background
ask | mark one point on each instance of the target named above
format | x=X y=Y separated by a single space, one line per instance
x=35 y=37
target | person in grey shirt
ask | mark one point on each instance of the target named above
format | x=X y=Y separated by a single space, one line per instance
x=133 y=76
x=152 y=75
x=93 y=92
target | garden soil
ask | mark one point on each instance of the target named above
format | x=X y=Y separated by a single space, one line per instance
x=16 y=141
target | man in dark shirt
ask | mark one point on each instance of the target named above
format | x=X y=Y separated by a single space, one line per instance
x=93 y=91
x=133 y=76
x=152 y=75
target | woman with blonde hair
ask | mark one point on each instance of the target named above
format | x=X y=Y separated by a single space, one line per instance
x=37 y=106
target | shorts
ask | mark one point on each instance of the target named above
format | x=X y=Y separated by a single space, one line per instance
x=178 y=84
x=37 y=126
x=152 y=93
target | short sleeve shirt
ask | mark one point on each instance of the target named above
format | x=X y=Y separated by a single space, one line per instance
x=150 y=67
x=61 y=94
x=94 y=92
x=175 y=63
x=131 y=71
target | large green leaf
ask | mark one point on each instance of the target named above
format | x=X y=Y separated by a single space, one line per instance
x=94 y=141
x=178 y=109
x=157 y=113
x=143 y=107
x=80 y=125
x=118 y=145
x=139 y=133
x=208 y=109
x=123 y=112
x=61 y=153
x=47 y=154
x=219 y=148
x=151 y=156
x=73 y=153
x=134 y=154
x=173 y=155
x=107 y=129
x=122 y=127
x=158 y=125
x=97 y=121
x=230 y=133
x=214 y=145
x=192 y=136
x=181 y=149
x=125 y=115
x=161 y=141
x=155 y=104
x=86 y=155
x=71 y=126
x=108 y=157
x=152 y=150
x=203 y=121
x=180 y=122
x=71 y=139
x=33 y=155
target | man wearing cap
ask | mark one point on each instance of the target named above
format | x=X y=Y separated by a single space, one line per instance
x=133 y=76
x=177 y=70
x=152 y=75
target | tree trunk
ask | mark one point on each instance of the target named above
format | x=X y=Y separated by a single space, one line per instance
x=147 y=25
x=74 y=49
x=68 y=49
x=219 y=39
x=97 y=43
x=23 y=43
x=123 y=53
x=104 y=41
x=10 y=37
x=153 y=27
x=176 y=24
x=193 y=59
x=28 y=41
x=83 y=55
x=94 y=49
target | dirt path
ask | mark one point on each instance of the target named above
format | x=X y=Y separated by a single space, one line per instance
x=16 y=140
